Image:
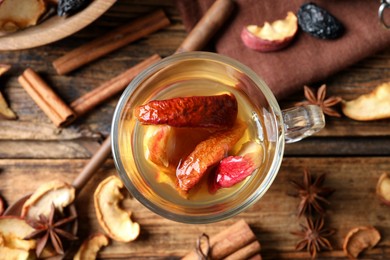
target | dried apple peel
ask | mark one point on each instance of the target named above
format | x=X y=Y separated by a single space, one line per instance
x=371 y=106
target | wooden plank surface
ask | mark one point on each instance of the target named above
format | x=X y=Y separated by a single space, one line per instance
x=352 y=154
x=354 y=203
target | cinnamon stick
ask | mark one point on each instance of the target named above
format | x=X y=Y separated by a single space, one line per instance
x=237 y=238
x=246 y=252
x=110 y=88
x=111 y=41
x=46 y=98
x=208 y=25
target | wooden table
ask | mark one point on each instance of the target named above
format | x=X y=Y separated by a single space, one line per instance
x=352 y=154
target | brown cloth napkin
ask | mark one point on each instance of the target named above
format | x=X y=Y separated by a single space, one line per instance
x=308 y=59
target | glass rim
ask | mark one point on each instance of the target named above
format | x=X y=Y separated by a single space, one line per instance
x=212 y=217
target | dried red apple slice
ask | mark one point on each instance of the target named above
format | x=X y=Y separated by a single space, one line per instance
x=371 y=106
x=271 y=37
x=196 y=111
x=206 y=154
x=234 y=169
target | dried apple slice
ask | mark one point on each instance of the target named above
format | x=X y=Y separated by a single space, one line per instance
x=59 y=193
x=11 y=253
x=196 y=111
x=360 y=238
x=13 y=230
x=18 y=14
x=90 y=247
x=371 y=106
x=158 y=142
x=115 y=221
x=271 y=37
x=5 y=111
x=4 y=68
x=206 y=154
x=383 y=188
x=234 y=169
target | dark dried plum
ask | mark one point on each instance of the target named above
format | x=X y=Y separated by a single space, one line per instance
x=68 y=7
x=319 y=22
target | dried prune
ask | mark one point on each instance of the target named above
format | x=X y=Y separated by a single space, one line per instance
x=318 y=22
x=68 y=7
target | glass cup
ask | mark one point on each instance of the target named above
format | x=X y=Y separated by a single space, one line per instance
x=202 y=74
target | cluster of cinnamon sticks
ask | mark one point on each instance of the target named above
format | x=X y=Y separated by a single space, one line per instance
x=236 y=242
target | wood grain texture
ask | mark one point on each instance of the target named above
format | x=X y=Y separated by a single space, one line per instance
x=272 y=218
x=33 y=151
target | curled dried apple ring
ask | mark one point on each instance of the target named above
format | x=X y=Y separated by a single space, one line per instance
x=371 y=106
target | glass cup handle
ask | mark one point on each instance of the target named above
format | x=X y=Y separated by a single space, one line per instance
x=303 y=121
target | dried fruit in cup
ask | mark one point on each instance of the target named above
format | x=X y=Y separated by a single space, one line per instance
x=158 y=142
x=196 y=111
x=318 y=22
x=371 y=106
x=383 y=188
x=360 y=238
x=59 y=193
x=234 y=169
x=19 y=14
x=206 y=154
x=115 y=221
x=271 y=37
x=90 y=247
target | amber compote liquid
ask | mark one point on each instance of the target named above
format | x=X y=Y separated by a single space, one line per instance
x=148 y=176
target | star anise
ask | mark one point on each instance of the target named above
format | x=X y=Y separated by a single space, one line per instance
x=50 y=228
x=314 y=237
x=320 y=100
x=313 y=195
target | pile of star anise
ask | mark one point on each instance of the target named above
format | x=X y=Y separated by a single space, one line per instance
x=314 y=235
